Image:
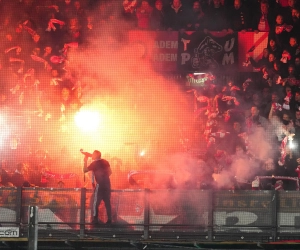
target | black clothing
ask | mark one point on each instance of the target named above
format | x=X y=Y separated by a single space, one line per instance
x=157 y=20
x=257 y=18
x=101 y=170
x=239 y=19
x=176 y=19
x=17 y=179
x=215 y=19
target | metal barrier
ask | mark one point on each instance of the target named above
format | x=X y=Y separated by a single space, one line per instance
x=205 y=215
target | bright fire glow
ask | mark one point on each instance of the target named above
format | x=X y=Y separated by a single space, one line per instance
x=88 y=121
x=291 y=145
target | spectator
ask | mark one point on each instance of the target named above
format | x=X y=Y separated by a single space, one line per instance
x=277 y=71
x=18 y=177
x=292 y=79
x=295 y=101
x=297 y=121
x=297 y=66
x=67 y=9
x=285 y=126
x=80 y=13
x=261 y=62
x=176 y=16
x=5 y=177
x=280 y=32
x=273 y=106
x=287 y=11
x=255 y=120
x=293 y=48
x=295 y=23
x=157 y=19
x=273 y=47
x=272 y=59
x=239 y=16
x=263 y=18
x=143 y=14
x=216 y=18
x=196 y=17
x=129 y=10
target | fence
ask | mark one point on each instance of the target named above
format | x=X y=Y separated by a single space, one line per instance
x=205 y=215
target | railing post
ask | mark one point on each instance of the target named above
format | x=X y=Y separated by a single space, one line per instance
x=19 y=206
x=210 y=215
x=32 y=227
x=82 y=212
x=275 y=207
x=146 y=214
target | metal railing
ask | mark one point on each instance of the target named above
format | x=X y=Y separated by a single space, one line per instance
x=207 y=215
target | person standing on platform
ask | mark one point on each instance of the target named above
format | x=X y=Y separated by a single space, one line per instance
x=102 y=191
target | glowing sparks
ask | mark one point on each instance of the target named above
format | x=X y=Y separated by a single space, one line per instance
x=88 y=121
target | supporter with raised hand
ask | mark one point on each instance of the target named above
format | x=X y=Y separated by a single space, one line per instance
x=129 y=11
x=273 y=106
x=280 y=32
x=15 y=59
x=261 y=62
x=285 y=127
x=8 y=40
x=265 y=80
x=277 y=73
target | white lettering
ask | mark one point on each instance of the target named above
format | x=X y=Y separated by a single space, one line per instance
x=243 y=219
x=228 y=47
x=165 y=57
x=228 y=59
x=185 y=43
x=165 y=44
x=9 y=232
x=185 y=57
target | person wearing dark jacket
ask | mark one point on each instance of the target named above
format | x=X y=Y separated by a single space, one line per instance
x=102 y=191
x=158 y=16
x=176 y=16
x=216 y=18
x=239 y=16
x=263 y=19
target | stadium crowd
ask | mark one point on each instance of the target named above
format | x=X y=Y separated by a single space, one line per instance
x=232 y=118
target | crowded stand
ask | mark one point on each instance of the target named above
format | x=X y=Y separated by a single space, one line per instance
x=241 y=128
